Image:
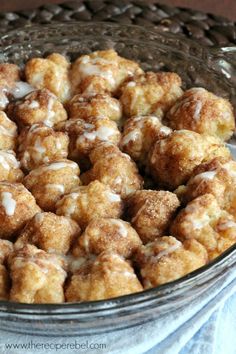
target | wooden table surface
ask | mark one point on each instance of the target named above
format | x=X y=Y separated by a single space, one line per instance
x=225 y=8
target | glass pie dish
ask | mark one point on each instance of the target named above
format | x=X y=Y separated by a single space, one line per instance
x=213 y=69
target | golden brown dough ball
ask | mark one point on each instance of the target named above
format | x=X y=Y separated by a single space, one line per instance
x=40 y=144
x=167 y=259
x=88 y=202
x=9 y=74
x=203 y=112
x=8 y=133
x=108 y=276
x=40 y=106
x=101 y=71
x=107 y=234
x=85 y=135
x=100 y=105
x=173 y=159
x=139 y=134
x=37 y=276
x=151 y=212
x=204 y=221
x=218 y=177
x=48 y=183
x=17 y=207
x=50 y=73
x=6 y=248
x=150 y=93
x=114 y=168
x=50 y=232
x=10 y=167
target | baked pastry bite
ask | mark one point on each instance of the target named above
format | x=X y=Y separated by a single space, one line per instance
x=101 y=71
x=48 y=183
x=17 y=207
x=217 y=177
x=50 y=73
x=85 y=203
x=9 y=75
x=114 y=168
x=37 y=277
x=6 y=248
x=172 y=160
x=10 y=167
x=139 y=134
x=204 y=221
x=203 y=112
x=40 y=144
x=151 y=212
x=100 y=105
x=8 y=132
x=108 y=276
x=107 y=234
x=86 y=134
x=49 y=232
x=167 y=259
x=40 y=106
x=150 y=93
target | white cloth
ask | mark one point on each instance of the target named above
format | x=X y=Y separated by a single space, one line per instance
x=194 y=329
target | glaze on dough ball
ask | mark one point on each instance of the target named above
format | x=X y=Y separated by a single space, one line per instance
x=48 y=183
x=172 y=160
x=108 y=276
x=17 y=207
x=40 y=144
x=107 y=234
x=167 y=259
x=40 y=106
x=50 y=232
x=37 y=277
x=204 y=221
x=85 y=203
x=203 y=112
x=150 y=93
x=50 y=73
x=114 y=168
x=151 y=212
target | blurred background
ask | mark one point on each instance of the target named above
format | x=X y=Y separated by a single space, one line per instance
x=226 y=8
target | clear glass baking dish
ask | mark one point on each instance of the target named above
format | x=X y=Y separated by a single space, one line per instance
x=213 y=69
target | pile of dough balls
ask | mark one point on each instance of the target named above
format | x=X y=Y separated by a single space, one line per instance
x=112 y=180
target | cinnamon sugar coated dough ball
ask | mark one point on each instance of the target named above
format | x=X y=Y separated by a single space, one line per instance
x=151 y=212
x=114 y=168
x=100 y=105
x=48 y=183
x=173 y=159
x=49 y=232
x=50 y=73
x=218 y=177
x=40 y=106
x=203 y=112
x=150 y=93
x=9 y=75
x=40 y=144
x=139 y=134
x=6 y=248
x=107 y=234
x=89 y=202
x=10 y=167
x=204 y=221
x=167 y=259
x=108 y=276
x=8 y=133
x=17 y=207
x=85 y=135
x=37 y=277
x=100 y=72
